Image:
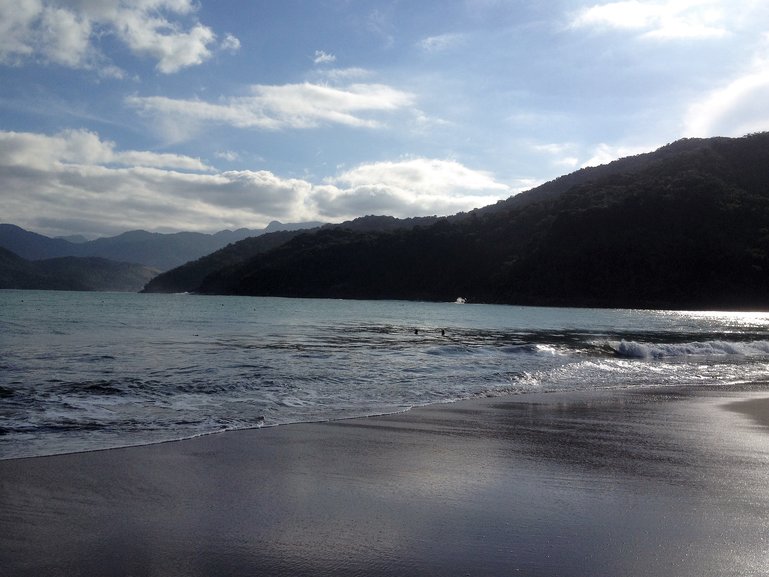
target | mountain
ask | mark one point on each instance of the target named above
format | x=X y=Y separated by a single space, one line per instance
x=155 y=250
x=33 y=246
x=189 y=276
x=71 y=273
x=161 y=251
x=74 y=238
x=686 y=226
x=15 y=272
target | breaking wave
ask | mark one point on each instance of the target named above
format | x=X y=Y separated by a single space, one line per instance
x=642 y=350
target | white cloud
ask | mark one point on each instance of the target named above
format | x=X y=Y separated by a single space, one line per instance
x=421 y=174
x=16 y=19
x=342 y=74
x=78 y=148
x=64 y=33
x=65 y=37
x=664 y=19
x=145 y=36
x=735 y=108
x=74 y=176
x=323 y=57
x=380 y=23
x=441 y=42
x=418 y=186
x=563 y=154
x=230 y=43
x=296 y=106
x=606 y=153
x=228 y=155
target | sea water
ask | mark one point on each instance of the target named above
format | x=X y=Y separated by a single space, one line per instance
x=84 y=371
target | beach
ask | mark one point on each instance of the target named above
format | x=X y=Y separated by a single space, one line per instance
x=654 y=481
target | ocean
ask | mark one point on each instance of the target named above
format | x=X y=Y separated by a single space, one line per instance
x=86 y=371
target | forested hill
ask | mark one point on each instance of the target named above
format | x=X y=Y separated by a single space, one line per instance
x=684 y=227
x=71 y=273
x=189 y=276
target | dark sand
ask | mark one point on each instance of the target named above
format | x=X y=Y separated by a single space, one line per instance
x=646 y=483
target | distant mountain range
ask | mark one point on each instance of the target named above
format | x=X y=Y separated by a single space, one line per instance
x=685 y=226
x=72 y=273
x=155 y=250
x=126 y=262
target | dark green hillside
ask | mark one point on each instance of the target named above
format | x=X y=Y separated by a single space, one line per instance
x=684 y=227
x=340 y=263
x=15 y=272
x=687 y=240
x=96 y=274
x=71 y=273
x=189 y=276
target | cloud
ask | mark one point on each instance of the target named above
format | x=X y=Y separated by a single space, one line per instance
x=440 y=43
x=67 y=33
x=78 y=148
x=665 y=19
x=16 y=18
x=228 y=155
x=606 y=153
x=342 y=74
x=323 y=58
x=66 y=40
x=380 y=23
x=74 y=176
x=734 y=109
x=230 y=43
x=51 y=182
x=290 y=106
x=421 y=174
x=563 y=154
x=418 y=186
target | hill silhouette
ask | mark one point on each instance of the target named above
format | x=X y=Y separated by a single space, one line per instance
x=189 y=276
x=686 y=226
x=156 y=250
x=71 y=273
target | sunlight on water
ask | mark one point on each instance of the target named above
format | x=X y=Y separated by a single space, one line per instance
x=723 y=319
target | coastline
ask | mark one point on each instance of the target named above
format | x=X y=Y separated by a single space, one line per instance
x=650 y=482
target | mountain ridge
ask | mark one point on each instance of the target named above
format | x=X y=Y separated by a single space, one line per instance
x=189 y=276
x=71 y=274
x=685 y=226
x=162 y=251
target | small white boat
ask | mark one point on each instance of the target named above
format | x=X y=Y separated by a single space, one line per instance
x=460 y=301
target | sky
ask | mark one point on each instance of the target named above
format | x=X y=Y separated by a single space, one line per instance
x=203 y=115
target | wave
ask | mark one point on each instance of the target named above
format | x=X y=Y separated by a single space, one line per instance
x=642 y=350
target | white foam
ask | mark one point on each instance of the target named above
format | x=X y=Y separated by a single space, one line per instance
x=640 y=350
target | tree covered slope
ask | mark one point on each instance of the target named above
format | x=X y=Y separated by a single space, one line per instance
x=686 y=226
x=71 y=273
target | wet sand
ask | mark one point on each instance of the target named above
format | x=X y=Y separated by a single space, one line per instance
x=623 y=483
x=757 y=409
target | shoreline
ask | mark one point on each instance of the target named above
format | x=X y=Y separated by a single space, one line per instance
x=757 y=409
x=612 y=482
